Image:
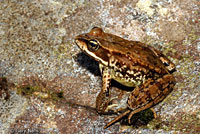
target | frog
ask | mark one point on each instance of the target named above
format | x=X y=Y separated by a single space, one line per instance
x=131 y=63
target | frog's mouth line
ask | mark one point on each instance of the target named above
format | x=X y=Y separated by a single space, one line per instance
x=82 y=44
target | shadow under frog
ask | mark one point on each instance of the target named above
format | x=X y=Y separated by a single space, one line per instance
x=88 y=63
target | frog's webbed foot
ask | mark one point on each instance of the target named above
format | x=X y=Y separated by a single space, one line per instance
x=112 y=105
x=109 y=106
x=122 y=115
x=117 y=119
x=118 y=104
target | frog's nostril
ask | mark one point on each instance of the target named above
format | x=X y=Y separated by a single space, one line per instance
x=166 y=64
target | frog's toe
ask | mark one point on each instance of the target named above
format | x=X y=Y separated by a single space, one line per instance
x=117 y=104
x=154 y=113
x=112 y=108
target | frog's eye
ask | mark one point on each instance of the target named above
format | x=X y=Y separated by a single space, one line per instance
x=93 y=45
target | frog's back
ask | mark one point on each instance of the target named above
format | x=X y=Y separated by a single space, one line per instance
x=134 y=53
x=143 y=55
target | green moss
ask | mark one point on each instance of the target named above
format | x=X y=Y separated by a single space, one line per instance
x=27 y=90
x=146 y=115
x=57 y=96
x=62 y=52
x=167 y=47
x=193 y=35
x=170 y=44
x=39 y=92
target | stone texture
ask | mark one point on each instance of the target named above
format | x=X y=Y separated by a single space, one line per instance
x=54 y=85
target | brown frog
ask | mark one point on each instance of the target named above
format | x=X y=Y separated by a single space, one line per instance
x=132 y=64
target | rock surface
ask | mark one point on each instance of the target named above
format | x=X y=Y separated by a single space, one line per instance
x=55 y=85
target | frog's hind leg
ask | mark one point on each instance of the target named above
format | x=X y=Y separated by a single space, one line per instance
x=150 y=93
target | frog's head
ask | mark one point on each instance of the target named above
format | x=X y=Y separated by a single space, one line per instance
x=92 y=44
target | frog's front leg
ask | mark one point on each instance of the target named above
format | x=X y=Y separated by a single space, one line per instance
x=103 y=98
x=150 y=93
